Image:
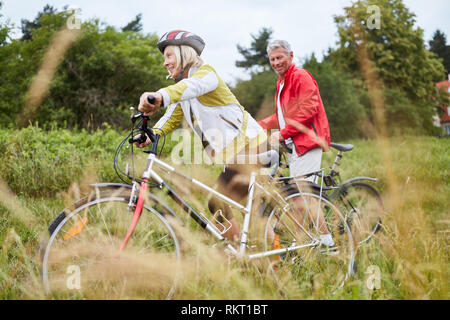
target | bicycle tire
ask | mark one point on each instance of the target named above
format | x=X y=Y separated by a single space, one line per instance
x=364 y=208
x=327 y=267
x=88 y=239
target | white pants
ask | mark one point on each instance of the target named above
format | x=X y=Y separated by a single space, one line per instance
x=306 y=163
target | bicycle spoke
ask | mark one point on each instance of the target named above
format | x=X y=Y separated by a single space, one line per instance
x=333 y=263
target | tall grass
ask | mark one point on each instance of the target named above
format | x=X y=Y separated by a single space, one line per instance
x=412 y=250
x=42 y=172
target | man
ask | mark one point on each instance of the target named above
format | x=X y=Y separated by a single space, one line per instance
x=299 y=114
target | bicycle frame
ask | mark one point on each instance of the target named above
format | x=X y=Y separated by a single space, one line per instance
x=332 y=186
x=206 y=224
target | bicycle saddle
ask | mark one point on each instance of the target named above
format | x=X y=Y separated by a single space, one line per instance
x=342 y=147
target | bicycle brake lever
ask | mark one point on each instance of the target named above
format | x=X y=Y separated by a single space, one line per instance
x=136 y=116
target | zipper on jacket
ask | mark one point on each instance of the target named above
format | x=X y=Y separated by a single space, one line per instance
x=284 y=109
x=314 y=128
x=205 y=142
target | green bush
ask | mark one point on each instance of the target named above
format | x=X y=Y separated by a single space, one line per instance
x=39 y=163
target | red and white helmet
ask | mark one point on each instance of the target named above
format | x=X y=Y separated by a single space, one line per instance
x=181 y=37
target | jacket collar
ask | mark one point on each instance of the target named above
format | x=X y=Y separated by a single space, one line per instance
x=191 y=71
x=286 y=76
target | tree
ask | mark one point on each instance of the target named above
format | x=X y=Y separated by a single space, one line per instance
x=102 y=75
x=253 y=94
x=7 y=54
x=439 y=46
x=257 y=93
x=134 y=25
x=341 y=100
x=99 y=78
x=256 y=56
x=28 y=26
x=23 y=59
x=397 y=50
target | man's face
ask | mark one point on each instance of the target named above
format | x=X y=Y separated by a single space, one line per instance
x=280 y=60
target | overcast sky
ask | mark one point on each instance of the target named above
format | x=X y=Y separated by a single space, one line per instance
x=307 y=25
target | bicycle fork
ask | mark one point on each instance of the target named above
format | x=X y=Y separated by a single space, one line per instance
x=140 y=202
x=137 y=213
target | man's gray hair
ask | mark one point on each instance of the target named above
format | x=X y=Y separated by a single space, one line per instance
x=279 y=43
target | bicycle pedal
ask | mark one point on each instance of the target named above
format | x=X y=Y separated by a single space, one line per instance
x=295 y=259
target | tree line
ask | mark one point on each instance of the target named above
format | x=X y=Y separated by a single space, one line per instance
x=108 y=67
x=97 y=81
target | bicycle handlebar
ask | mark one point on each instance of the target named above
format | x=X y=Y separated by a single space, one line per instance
x=144 y=129
x=151 y=99
x=139 y=139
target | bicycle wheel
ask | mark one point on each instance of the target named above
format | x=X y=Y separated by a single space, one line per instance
x=363 y=207
x=300 y=222
x=82 y=259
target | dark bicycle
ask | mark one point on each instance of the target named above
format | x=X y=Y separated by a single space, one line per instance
x=358 y=200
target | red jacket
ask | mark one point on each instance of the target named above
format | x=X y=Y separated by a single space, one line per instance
x=302 y=107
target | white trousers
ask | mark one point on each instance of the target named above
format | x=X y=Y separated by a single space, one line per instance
x=306 y=163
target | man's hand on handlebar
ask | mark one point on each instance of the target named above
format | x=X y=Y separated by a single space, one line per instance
x=276 y=137
x=145 y=105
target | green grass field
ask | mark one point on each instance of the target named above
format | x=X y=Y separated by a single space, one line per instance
x=41 y=173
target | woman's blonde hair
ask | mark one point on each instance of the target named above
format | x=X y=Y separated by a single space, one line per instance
x=189 y=55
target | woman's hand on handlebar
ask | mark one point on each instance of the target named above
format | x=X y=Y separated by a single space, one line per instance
x=142 y=144
x=147 y=107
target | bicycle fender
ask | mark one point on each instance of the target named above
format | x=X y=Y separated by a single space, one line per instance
x=111 y=185
x=293 y=188
x=358 y=179
x=310 y=185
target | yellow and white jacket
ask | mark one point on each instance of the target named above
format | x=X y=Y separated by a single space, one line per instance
x=213 y=113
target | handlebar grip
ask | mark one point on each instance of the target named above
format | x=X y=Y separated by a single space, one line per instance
x=151 y=99
x=285 y=146
x=140 y=139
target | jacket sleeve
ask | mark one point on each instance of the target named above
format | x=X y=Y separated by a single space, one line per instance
x=202 y=81
x=270 y=122
x=303 y=108
x=170 y=120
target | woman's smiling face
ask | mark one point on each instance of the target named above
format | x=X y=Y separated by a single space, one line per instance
x=170 y=61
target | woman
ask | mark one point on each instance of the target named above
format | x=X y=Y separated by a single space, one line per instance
x=211 y=110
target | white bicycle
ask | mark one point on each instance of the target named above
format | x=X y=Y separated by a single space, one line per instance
x=129 y=218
